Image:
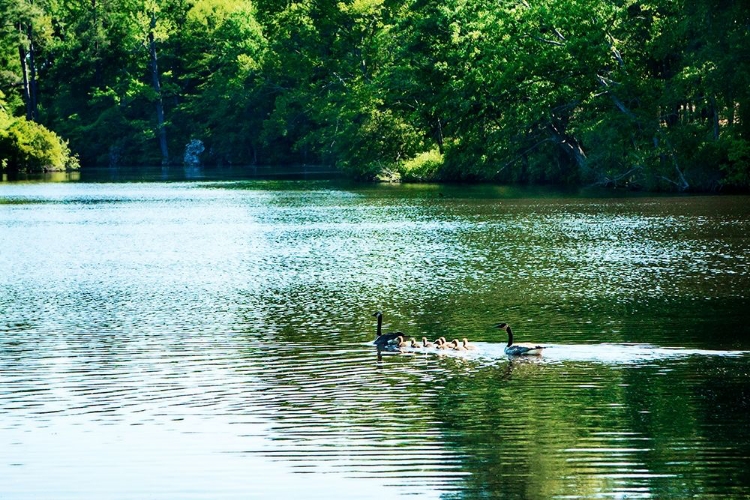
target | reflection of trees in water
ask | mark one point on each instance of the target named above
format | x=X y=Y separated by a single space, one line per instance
x=337 y=408
x=516 y=429
x=531 y=430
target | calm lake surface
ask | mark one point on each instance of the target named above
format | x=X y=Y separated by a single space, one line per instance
x=213 y=340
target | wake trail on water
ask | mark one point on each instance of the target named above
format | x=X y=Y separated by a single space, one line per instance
x=606 y=353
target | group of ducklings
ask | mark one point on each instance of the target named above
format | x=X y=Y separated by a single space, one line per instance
x=396 y=341
x=400 y=343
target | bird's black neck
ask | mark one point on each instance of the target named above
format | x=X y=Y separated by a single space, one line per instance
x=510 y=335
x=380 y=325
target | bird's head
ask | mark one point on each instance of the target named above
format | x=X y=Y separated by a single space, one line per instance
x=377 y=314
x=501 y=326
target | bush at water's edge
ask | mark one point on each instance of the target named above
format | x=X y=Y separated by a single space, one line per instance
x=27 y=146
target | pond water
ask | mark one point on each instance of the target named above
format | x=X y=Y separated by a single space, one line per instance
x=213 y=339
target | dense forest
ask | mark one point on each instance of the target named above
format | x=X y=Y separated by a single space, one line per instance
x=650 y=94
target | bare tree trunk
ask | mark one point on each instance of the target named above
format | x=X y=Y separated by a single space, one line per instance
x=571 y=146
x=605 y=83
x=157 y=89
x=715 y=117
x=32 y=77
x=25 y=72
x=97 y=55
x=439 y=137
x=28 y=71
x=682 y=183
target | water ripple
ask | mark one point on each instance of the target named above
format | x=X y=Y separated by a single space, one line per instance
x=213 y=340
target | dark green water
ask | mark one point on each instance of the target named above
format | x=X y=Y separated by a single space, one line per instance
x=213 y=340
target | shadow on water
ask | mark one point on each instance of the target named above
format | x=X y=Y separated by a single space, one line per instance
x=180 y=174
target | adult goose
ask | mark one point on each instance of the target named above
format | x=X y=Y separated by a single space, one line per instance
x=524 y=349
x=385 y=340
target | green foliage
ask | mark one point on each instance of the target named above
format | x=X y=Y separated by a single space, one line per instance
x=222 y=107
x=737 y=165
x=422 y=167
x=29 y=147
x=651 y=94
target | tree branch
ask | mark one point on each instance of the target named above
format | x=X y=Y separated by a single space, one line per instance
x=606 y=181
x=551 y=42
x=615 y=52
x=620 y=105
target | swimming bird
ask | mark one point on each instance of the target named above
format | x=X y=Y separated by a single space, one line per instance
x=400 y=342
x=427 y=343
x=384 y=340
x=456 y=346
x=524 y=349
x=441 y=344
x=415 y=344
x=467 y=346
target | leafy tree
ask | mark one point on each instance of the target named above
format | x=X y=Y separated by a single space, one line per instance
x=26 y=146
x=223 y=101
x=27 y=26
x=642 y=93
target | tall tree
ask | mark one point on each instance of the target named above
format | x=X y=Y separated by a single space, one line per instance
x=223 y=102
x=156 y=82
x=29 y=25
